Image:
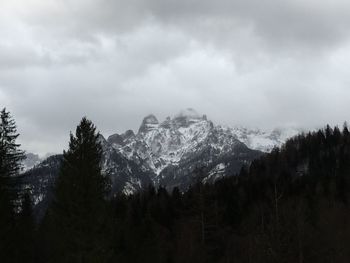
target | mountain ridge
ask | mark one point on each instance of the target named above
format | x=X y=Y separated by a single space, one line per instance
x=176 y=152
x=165 y=143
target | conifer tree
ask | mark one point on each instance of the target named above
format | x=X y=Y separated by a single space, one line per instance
x=10 y=158
x=79 y=206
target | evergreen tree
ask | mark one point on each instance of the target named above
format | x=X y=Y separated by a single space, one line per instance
x=79 y=206
x=10 y=158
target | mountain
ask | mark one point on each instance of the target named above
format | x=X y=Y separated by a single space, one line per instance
x=264 y=141
x=173 y=149
x=291 y=205
x=176 y=152
x=30 y=161
x=39 y=181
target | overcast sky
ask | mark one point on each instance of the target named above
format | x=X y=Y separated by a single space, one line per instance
x=261 y=63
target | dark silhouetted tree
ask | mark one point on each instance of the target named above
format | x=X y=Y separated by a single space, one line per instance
x=78 y=213
x=10 y=164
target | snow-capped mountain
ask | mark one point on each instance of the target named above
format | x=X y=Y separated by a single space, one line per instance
x=158 y=145
x=30 y=161
x=261 y=140
x=178 y=151
x=174 y=148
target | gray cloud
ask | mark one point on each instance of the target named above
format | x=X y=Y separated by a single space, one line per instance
x=257 y=63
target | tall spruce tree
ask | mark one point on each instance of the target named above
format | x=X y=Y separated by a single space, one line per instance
x=78 y=212
x=11 y=155
x=10 y=164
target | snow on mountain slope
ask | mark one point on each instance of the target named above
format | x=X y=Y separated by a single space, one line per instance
x=177 y=152
x=264 y=141
x=30 y=161
x=159 y=145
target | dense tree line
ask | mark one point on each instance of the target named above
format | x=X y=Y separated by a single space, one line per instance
x=291 y=205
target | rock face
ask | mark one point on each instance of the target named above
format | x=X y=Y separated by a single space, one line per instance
x=174 y=149
x=148 y=123
x=264 y=141
x=39 y=181
x=30 y=161
x=178 y=152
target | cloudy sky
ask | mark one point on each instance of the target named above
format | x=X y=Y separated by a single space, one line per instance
x=261 y=63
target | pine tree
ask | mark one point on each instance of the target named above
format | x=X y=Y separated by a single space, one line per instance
x=79 y=206
x=10 y=158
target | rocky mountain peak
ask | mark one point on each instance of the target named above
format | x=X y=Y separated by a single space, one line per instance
x=121 y=139
x=168 y=153
x=128 y=134
x=187 y=117
x=116 y=139
x=149 y=122
x=30 y=161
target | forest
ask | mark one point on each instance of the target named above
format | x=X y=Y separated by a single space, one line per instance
x=291 y=205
